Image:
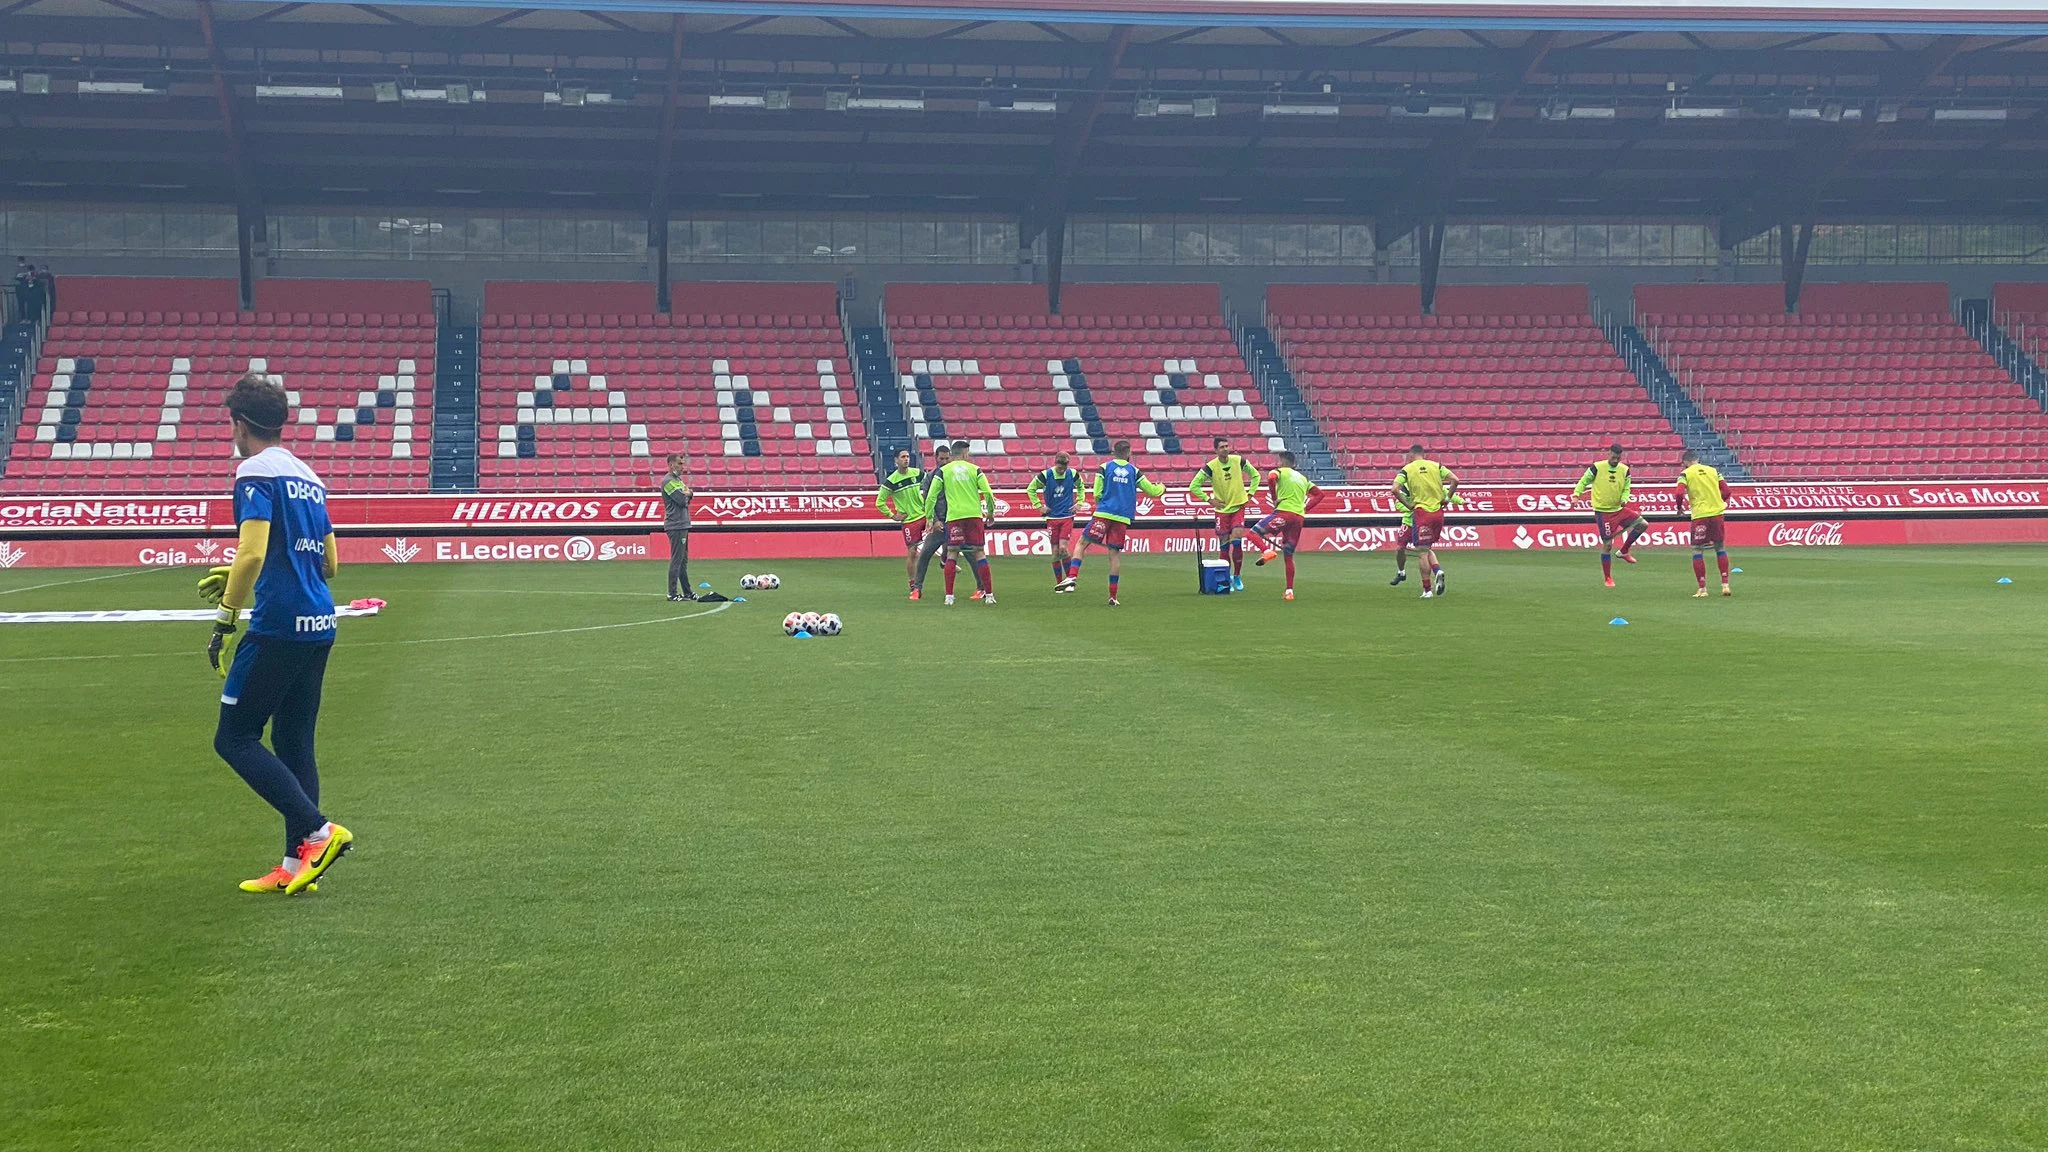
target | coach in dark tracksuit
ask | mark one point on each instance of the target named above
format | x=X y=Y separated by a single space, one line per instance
x=675 y=520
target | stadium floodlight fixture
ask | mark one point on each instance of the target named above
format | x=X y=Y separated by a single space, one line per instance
x=462 y=93
x=35 y=83
x=1421 y=109
x=1560 y=109
x=385 y=91
x=1888 y=112
x=1679 y=111
x=1148 y=106
x=1485 y=111
x=119 y=88
x=1972 y=112
x=738 y=100
x=299 y=92
x=1012 y=104
x=1825 y=112
x=836 y=99
x=9 y=84
x=1205 y=107
x=885 y=103
x=1283 y=108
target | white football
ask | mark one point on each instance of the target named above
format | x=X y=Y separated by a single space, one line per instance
x=812 y=622
x=829 y=625
x=771 y=580
x=750 y=581
x=793 y=623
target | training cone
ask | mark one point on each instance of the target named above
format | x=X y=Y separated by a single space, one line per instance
x=1734 y=571
x=800 y=634
x=739 y=599
x=1617 y=621
x=2005 y=579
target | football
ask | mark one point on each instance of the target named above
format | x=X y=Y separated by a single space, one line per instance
x=771 y=580
x=812 y=621
x=792 y=623
x=829 y=625
x=750 y=581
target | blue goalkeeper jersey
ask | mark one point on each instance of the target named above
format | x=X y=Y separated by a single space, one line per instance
x=292 y=600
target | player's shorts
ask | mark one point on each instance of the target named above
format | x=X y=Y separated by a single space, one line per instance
x=1282 y=528
x=969 y=533
x=1709 y=530
x=1427 y=529
x=1059 y=529
x=1108 y=533
x=913 y=532
x=1612 y=524
x=1227 y=523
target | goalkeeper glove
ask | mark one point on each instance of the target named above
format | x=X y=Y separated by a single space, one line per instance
x=214 y=584
x=220 y=650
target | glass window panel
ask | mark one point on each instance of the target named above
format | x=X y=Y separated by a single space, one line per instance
x=1290 y=244
x=1190 y=242
x=1558 y=245
x=1257 y=245
x=557 y=238
x=801 y=242
x=1624 y=244
x=884 y=240
x=1591 y=244
x=483 y=236
x=1492 y=245
x=956 y=239
x=1355 y=243
x=850 y=234
x=920 y=240
x=27 y=228
x=1087 y=241
x=67 y=231
x=105 y=232
x=338 y=234
x=1655 y=242
x=744 y=238
x=1322 y=244
x=1120 y=246
x=593 y=237
x=1689 y=243
x=522 y=236
x=145 y=231
x=1155 y=242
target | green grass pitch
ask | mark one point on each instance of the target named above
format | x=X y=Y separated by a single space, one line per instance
x=1354 y=872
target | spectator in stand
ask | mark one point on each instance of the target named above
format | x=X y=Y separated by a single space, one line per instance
x=46 y=289
x=27 y=290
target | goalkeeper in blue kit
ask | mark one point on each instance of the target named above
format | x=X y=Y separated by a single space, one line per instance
x=273 y=675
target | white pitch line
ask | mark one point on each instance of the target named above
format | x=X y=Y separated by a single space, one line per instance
x=81 y=580
x=393 y=643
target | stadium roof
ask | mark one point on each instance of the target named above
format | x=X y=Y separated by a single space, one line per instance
x=1398 y=113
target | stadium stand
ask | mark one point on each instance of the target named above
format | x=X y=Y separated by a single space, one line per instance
x=1503 y=383
x=586 y=386
x=1154 y=363
x=126 y=388
x=1868 y=381
x=2015 y=332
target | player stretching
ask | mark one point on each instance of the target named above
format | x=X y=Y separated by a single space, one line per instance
x=1702 y=491
x=1053 y=492
x=1614 y=514
x=1425 y=487
x=970 y=509
x=1117 y=484
x=1293 y=496
x=934 y=521
x=901 y=498
x=282 y=564
x=1227 y=483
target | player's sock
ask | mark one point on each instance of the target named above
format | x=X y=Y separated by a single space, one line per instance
x=1607 y=565
x=1721 y=558
x=1059 y=571
x=1237 y=557
x=1074 y=568
x=1699 y=568
x=952 y=571
x=1112 y=585
x=984 y=579
x=1634 y=534
x=1290 y=571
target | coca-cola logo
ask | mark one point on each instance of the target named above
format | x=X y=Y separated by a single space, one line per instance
x=1819 y=534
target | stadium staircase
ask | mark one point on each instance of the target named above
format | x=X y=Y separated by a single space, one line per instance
x=455 y=387
x=1866 y=381
x=1292 y=418
x=1979 y=321
x=874 y=366
x=18 y=344
x=1678 y=408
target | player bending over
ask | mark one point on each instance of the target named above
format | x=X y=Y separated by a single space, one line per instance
x=1614 y=514
x=1703 y=493
x=970 y=509
x=901 y=498
x=934 y=523
x=1425 y=487
x=282 y=564
x=1227 y=483
x=1053 y=491
x=1117 y=484
x=1293 y=497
